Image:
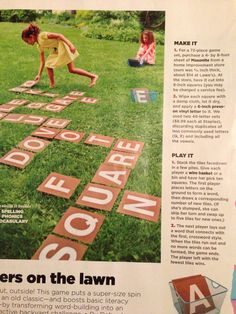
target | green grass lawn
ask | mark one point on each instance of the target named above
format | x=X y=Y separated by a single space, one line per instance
x=121 y=238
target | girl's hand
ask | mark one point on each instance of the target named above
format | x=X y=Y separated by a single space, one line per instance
x=37 y=78
x=72 y=49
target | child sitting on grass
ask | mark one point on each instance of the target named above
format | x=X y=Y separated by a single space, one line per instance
x=147 y=51
x=62 y=53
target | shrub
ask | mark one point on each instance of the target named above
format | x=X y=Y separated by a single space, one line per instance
x=18 y=15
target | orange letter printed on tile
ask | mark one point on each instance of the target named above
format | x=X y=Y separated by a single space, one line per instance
x=59 y=185
x=139 y=205
x=55 y=248
x=79 y=224
x=122 y=159
x=100 y=140
x=98 y=196
x=195 y=294
x=112 y=175
x=33 y=144
x=128 y=146
x=17 y=158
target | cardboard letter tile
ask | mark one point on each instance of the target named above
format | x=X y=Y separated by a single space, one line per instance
x=76 y=94
x=57 y=123
x=29 y=84
x=2 y=115
x=18 y=102
x=33 y=144
x=46 y=132
x=133 y=147
x=35 y=120
x=195 y=294
x=139 y=205
x=99 y=140
x=88 y=100
x=36 y=105
x=122 y=159
x=50 y=95
x=70 y=136
x=17 y=158
x=112 y=175
x=7 y=108
x=63 y=102
x=18 y=89
x=140 y=95
x=79 y=224
x=57 y=248
x=15 y=118
x=59 y=185
x=98 y=196
x=53 y=108
x=33 y=91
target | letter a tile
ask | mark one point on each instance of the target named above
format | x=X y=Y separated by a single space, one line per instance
x=112 y=175
x=98 y=196
x=139 y=205
x=195 y=296
x=59 y=185
x=128 y=146
x=56 y=248
x=99 y=140
x=33 y=144
x=17 y=158
x=79 y=224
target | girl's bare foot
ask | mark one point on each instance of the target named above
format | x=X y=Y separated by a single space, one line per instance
x=52 y=85
x=93 y=81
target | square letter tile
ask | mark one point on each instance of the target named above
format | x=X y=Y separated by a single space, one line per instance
x=139 y=205
x=57 y=123
x=46 y=132
x=33 y=144
x=79 y=224
x=133 y=147
x=98 y=196
x=112 y=175
x=99 y=140
x=59 y=185
x=17 y=158
x=57 y=248
x=122 y=159
x=70 y=136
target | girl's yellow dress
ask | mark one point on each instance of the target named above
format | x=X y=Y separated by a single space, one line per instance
x=60 y=53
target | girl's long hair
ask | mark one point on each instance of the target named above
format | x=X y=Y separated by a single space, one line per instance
x=30 y=30
x=150 y=36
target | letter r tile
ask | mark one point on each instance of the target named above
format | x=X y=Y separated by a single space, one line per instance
x=98 y=196
x=59 y=185
x=57 y=248
x=79 y=224
x=139 y=205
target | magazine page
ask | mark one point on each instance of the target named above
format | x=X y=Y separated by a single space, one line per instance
x=117 y=157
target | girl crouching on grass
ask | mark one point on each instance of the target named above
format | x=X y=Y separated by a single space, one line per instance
x=63 y=53
x=147 y=51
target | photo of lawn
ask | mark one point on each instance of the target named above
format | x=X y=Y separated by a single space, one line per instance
x=122 y=237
